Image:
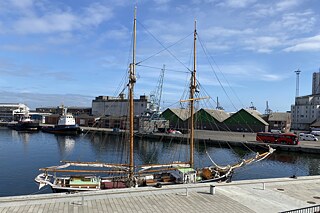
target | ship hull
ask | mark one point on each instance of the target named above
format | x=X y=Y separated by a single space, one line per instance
x=63 y=129
x=27 y=126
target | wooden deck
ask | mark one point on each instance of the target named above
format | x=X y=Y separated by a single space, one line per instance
x=268 y=195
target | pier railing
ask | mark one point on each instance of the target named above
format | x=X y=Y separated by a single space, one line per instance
x=310 y=209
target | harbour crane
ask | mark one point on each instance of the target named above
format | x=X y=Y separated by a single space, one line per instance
x=156 y=95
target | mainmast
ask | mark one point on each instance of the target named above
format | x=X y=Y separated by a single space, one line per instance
x=192 y=92
x=132 y=80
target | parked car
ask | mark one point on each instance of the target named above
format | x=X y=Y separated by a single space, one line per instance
x=172 y=131
x=307 y=137
x=316 y=133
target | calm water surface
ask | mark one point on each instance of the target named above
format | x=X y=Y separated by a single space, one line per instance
x=22 y=154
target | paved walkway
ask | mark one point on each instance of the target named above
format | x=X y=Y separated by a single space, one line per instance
x=268 y=195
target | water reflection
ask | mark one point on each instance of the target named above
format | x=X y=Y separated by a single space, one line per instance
x=25 y=137
x=108 y=148
x=66 y=144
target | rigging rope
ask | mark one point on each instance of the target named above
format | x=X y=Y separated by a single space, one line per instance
x=165 y=48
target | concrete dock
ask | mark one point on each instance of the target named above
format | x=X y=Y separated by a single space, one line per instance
x=267 y=195
x=221 y=138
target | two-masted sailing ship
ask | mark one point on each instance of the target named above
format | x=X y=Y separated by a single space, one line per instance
x=109 y=175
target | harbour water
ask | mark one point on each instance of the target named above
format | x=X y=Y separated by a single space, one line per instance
x=22 y=154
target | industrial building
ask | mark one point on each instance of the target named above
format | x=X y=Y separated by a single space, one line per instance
x=118 y=106
x=245 y=120
x=278 y=121
x=210 y=119
x=306 y=109
x=9 y=111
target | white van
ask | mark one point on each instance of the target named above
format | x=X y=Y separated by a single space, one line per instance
x=307 y=137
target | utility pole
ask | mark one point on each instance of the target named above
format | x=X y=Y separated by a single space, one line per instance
x=297 y=82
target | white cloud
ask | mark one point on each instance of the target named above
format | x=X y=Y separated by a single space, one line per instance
x=263 y=44
x=62 y=38
x=22 y=4
x=300 y=22
x=225 y=32
x=162 y=1
x=306 y=44
x=22 y=48
x=95 y=14
x=271 y=77
x=117 y=34
x=236 y=3
x=40 y=21
x=250 y=71
x=159 y=28
x=286 y=4
x=215 y=46
x=272 y=9
x=52 y=23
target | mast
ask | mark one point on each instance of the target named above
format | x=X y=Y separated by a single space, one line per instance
x=192 y=92
x=132 y=80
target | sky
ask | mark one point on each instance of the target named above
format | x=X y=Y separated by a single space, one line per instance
x=69 y=52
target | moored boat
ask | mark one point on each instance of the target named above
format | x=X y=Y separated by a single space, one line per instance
x=66 y=125
x=26 y=124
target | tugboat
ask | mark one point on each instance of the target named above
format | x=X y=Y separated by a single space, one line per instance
x=66 y=125
x=26 y=124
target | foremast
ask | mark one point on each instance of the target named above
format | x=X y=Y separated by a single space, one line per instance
x=192 y=93
x=132 y=80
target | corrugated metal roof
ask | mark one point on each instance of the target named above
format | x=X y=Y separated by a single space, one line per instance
x=183 y=114
x=279 y=116
x=219 y=115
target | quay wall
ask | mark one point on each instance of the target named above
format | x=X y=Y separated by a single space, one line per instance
x=221 y=139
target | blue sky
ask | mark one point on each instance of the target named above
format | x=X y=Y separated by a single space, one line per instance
x=68 y=52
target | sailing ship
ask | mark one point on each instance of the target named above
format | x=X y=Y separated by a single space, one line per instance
x=66 y=125
x=124 y=175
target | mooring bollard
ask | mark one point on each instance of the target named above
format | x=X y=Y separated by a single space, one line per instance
x=187 y=191
x=263 y=186
x=212 y=189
